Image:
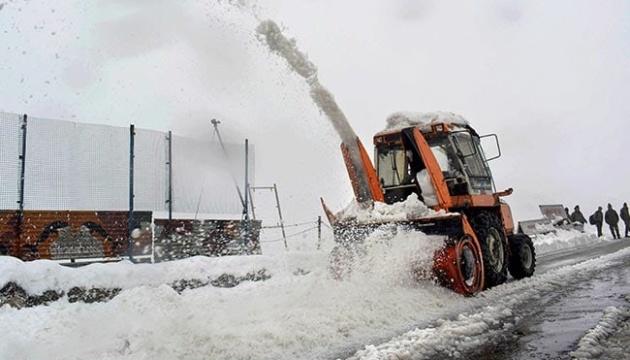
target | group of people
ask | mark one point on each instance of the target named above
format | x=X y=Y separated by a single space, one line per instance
x=611 y=217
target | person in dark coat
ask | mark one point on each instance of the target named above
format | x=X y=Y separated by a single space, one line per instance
x=577 y=216
x=566 y=210
x=598 y=221
x=612 y=219
x=625 y=216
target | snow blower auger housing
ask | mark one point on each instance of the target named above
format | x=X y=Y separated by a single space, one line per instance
x=441 y=161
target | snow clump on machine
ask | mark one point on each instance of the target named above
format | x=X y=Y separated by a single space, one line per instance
x=411 y=208
x=405 y=119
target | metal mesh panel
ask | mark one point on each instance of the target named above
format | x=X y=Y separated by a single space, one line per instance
x=201 y=177
x=71 y=166
x=10 y=148
x=150 y=170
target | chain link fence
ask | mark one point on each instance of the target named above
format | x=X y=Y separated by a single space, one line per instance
x=94 y=190
x=10 y=149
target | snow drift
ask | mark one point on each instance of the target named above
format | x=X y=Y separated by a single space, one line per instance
x=299 y=313
x=561 y=239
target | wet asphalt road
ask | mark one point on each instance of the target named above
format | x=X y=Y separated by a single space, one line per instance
x=562 y=318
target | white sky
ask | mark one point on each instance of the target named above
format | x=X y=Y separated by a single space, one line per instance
x=552 y=79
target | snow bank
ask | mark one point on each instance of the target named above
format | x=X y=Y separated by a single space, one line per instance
x=489 y=325
x=594 y=344
x=411 y=208
x=299 y=313
x=561 y=239
x=295 y=314
x=401 y=120
x=38 y=276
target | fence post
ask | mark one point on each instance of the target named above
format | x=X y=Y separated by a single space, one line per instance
x=130 y=220
x=284 y=234
x=170 y=176
x=246 y=226
x=319 y=232
x=22 y=158
x=246 y=201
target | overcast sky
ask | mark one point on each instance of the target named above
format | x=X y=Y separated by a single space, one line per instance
x=551 y=78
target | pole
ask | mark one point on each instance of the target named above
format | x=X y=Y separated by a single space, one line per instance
x=132 y=134
x=22 y=158
x=319 y=232
x=170 y=176
x=215 y=123
x=284 y=235
x=246 y=201
x=251 y=203
x=245 y=222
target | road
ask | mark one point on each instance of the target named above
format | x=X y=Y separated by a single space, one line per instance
x=540 y=318
x=564 y=317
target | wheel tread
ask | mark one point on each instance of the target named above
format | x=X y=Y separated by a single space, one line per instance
x=481 y=222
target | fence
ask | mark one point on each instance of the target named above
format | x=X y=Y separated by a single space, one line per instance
x=70 y=190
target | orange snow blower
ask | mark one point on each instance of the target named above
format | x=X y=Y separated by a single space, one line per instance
x=443 y=163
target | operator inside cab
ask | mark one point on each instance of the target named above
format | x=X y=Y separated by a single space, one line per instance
x=402 y=172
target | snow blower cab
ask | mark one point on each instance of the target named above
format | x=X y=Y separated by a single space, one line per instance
x=438 y=158
x=460 y=158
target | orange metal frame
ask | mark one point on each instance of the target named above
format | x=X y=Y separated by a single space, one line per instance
x=376 y=191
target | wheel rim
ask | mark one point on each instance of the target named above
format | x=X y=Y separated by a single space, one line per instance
x=459 y=266
x=495 y=248
x=526 y=256
x=467 y=265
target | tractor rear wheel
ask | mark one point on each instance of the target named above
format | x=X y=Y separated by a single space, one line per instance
x=522 y=256
x=489 y=231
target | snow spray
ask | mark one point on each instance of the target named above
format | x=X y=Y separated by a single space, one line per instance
x=270 y=33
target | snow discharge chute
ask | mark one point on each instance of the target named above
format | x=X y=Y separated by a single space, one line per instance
x=360 y=169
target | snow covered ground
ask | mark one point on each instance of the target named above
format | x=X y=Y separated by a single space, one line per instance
x=564 y=240
x=595 y=343
x=300 y=312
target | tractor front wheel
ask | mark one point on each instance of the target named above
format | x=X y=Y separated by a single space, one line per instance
x=522 y=257
x=460 y=267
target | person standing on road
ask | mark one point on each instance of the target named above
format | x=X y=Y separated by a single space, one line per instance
x=597 y=219
x=612 y=219
x=625 y=216
x=577 y=215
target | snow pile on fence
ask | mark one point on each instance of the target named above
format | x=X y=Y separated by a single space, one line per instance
x=561 y=239
x=42 y=275
x=404 y=119
x=594 y=344
x=411 y=208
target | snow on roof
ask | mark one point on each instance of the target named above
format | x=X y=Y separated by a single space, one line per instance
x=405 y=119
